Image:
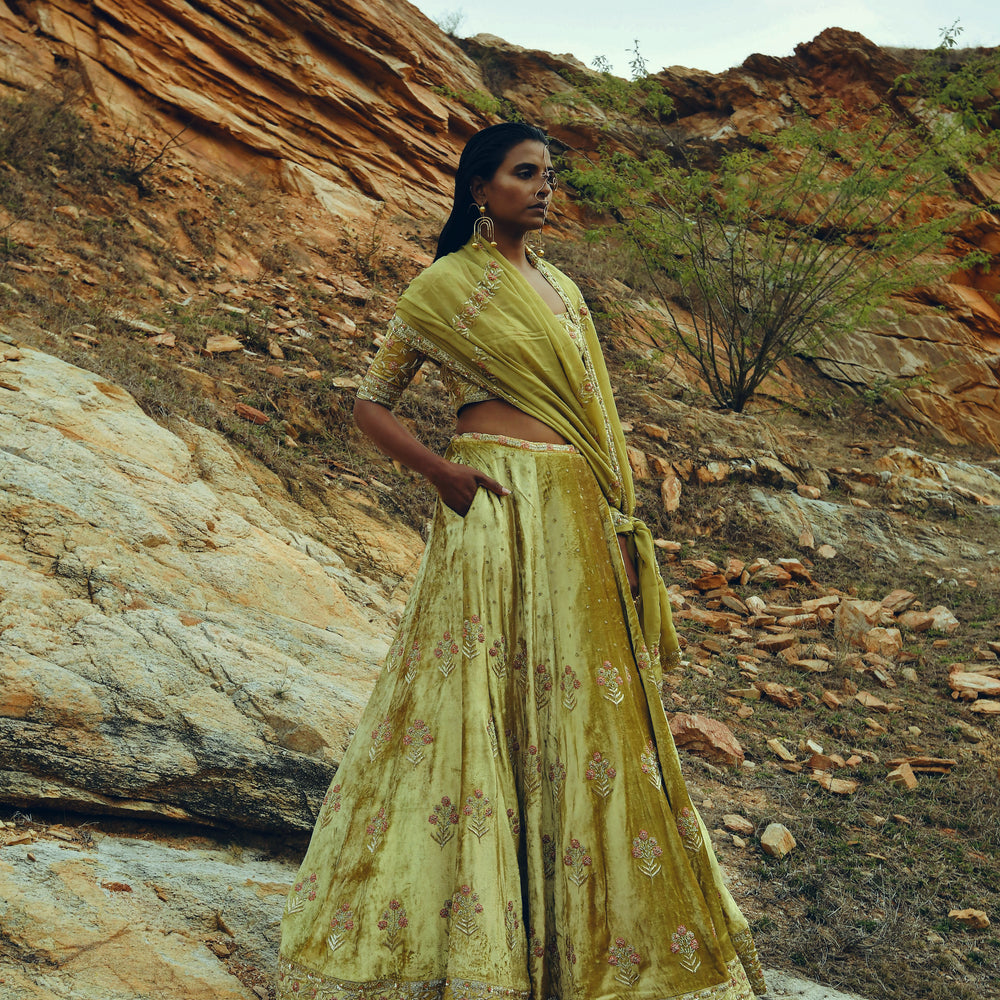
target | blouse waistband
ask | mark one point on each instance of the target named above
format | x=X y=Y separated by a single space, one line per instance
x=512 y=442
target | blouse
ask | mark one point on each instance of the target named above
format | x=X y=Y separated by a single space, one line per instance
x=396 y=363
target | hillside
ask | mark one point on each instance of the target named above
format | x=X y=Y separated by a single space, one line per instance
x=206 y=220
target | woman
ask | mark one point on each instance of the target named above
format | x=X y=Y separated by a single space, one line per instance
x=510 y=818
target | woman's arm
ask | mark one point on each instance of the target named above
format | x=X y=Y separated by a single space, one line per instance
x=456 y=484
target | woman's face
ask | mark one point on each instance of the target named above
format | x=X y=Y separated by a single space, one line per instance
x=518 y=195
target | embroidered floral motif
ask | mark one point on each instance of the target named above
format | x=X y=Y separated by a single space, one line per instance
x=515 y=822
x=445 y=652
x=650 y=765
x=519 y=663
x=689 y=829
x=381 y=735
x=491 y=735
x=331 y=805
x=646 y=850
x=609 y=680
x=548 y=856
x=302 y=892
x=557 y=776
x=392 y=922
x=536 y=947
x=479 y=810
x=543 y=686
x=479 y=299
x=570 y=684
x=601 y=773
x=396 y=653
x=513 y=743
x=642 y=658
x=472 y=634
x=626 y=961
x=443 y=819
x=498 y=657
x=462 y=910
x=340 y=927
x=512 y=924
x=375 y=830
x=416 y=738
x=685 y=944
x=587 y=391
x=531 y=771
x=412 y=661
x=578 y=861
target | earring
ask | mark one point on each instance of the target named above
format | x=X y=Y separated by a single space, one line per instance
x=538 y=246
x=483 y=229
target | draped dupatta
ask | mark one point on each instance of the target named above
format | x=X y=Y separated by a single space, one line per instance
x=474 y=310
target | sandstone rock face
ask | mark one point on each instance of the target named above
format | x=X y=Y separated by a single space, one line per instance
x=334 y=99
x=177 y=638
x=128 y=918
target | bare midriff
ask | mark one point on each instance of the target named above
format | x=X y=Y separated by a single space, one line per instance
x=494 y=416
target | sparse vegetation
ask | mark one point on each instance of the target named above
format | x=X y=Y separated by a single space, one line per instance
x=765 y=247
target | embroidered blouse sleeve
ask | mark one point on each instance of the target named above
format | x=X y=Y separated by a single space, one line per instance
x=391 y=372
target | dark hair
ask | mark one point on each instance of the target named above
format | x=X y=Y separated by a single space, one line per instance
x=482 y=157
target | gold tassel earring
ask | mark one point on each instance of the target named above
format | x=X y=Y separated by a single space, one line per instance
x=483 y=229
x=537 y=246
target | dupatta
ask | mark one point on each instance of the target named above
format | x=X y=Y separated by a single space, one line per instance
x=472 y=309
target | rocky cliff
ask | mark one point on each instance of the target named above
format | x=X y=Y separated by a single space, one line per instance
x=334 y=99
x=187 y=638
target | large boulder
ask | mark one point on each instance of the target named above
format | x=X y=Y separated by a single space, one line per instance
x=177 y=637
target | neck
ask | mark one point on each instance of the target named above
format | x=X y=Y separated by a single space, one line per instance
x=511 y=246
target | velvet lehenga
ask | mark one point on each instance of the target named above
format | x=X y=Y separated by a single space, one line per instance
x=510 y=818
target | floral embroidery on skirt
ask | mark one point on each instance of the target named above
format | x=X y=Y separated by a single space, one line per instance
x=510 y=819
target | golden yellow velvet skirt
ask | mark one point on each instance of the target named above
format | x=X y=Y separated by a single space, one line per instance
x=510 y=818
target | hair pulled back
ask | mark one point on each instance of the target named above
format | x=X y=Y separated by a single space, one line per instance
x=482 y=157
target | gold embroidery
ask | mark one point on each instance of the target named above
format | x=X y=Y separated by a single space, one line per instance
x=445 y=652
x=609 y=680
x=601 y=773
x=512 y=925
x=302 y=892
x=479 y=299
x=491 y=734
x=626 y=961
x=462 y=910
x=548 y=856
x=381 y=735
x=412 y=661
x=393 y=922
x=531 y=771
x=479 y=808
x=689 y=829
x=498 y=656
x=472 y=634
x=684 y=944
x=443 y=819
x=543 y=686
x=570 y=684
x=557 y=775
x=650 y=765
x=340 y=927
x=375 y=830
x=646 y=850
x=331 y=805
x=416 y=738
x=578 y=861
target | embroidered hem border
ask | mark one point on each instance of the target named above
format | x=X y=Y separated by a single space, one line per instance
x=296 y=982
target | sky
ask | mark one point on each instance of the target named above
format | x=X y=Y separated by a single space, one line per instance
x=711 y=34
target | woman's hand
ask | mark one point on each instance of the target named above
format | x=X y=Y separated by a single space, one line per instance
x=630 y=570
x=457 y=485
